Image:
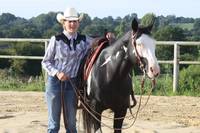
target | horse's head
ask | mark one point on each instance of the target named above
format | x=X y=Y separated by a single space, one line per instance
x=144 y=49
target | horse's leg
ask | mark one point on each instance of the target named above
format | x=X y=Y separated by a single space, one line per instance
x=97 y=113
x=118 y=122
x=97 y=125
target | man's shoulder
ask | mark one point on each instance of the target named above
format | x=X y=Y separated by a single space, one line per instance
x=60 y=36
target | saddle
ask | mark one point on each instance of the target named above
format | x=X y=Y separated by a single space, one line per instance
x=86 y=65
x=97 y=47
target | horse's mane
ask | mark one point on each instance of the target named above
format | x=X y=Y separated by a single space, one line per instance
x=118 y=43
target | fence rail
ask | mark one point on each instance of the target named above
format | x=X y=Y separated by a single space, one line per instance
x=176 y=61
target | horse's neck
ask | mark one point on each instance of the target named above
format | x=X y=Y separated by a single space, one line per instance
x=119 y=64
x=119 y=43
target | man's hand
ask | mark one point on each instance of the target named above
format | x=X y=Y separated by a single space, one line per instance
x=61 y=76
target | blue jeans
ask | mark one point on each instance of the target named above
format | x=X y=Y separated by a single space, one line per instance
x=53 y=98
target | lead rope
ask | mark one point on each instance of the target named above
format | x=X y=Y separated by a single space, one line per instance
x=137 y=112
x=141 y=65
x=63 y=104
x=87 y=108
x=140 y=100
x=62 y=83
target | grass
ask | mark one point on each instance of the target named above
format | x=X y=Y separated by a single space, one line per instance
x=188 y=26
x=17 y=84
x=163 y=86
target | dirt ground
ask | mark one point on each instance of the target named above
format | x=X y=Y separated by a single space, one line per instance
x=26 y=112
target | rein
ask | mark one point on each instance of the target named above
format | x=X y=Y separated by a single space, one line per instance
x=141 y=65
x=92 y=112
x=63 y=104
x=139 y=60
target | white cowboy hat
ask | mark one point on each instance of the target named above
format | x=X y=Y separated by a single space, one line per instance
x=70 y=14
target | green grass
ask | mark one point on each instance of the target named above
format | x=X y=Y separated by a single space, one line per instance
x=163 y=86
x=17 y=84
x=188 y=26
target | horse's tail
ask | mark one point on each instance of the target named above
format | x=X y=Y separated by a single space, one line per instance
x=87 y=120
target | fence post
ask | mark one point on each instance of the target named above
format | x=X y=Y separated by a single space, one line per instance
x=176 y=66
x=45 y=73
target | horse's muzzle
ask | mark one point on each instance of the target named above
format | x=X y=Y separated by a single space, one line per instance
x=153 y=71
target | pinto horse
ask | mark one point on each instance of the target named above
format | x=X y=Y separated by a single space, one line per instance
x=109 y=83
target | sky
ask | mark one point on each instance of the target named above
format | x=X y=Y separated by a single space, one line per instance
x=103 y=8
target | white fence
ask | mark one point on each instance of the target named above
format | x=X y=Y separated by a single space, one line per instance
x=176 y=61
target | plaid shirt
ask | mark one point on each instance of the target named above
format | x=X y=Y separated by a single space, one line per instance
x=63 y=57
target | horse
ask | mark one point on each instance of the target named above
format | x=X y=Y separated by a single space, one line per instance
x=109 y=83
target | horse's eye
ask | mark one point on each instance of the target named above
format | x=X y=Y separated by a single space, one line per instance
x=144 y=62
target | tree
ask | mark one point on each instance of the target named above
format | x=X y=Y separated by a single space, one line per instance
x=27 y=67
x=46 y=25
x=85 y=22
x=196 y=30
x=169 y=33
x=94 y=30
x=120 y=29
x=109 y=23
x=44 y=22
x=6 y=18
x=14 y=32
x=148 y=19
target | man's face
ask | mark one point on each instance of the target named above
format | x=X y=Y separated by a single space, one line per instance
x=71 y=26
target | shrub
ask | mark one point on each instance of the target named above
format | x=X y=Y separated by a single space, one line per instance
x=189 y=81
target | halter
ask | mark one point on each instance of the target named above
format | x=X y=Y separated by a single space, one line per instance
x=92 y=112
x=138 y=57
x=141 y=65
x=139 y=60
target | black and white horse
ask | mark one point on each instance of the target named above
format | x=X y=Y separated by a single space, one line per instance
x=109 y=83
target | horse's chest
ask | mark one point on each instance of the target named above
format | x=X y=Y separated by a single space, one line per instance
x=114 y=101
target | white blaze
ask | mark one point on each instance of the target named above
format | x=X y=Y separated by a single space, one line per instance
x=146 y=48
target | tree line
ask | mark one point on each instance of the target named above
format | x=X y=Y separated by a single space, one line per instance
x=169 y=28
x=45 y=25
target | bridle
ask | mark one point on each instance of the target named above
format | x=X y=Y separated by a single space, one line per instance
x=138 y=57
x=92 y=112
x=142 y=67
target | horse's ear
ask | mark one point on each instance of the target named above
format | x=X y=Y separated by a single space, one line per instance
x=134 y=25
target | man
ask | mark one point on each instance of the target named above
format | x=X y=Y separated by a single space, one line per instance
x=61 y=61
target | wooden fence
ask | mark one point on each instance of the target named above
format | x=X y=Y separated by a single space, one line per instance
x=176 y=61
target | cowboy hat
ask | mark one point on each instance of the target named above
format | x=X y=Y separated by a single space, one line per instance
x=70 y=14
